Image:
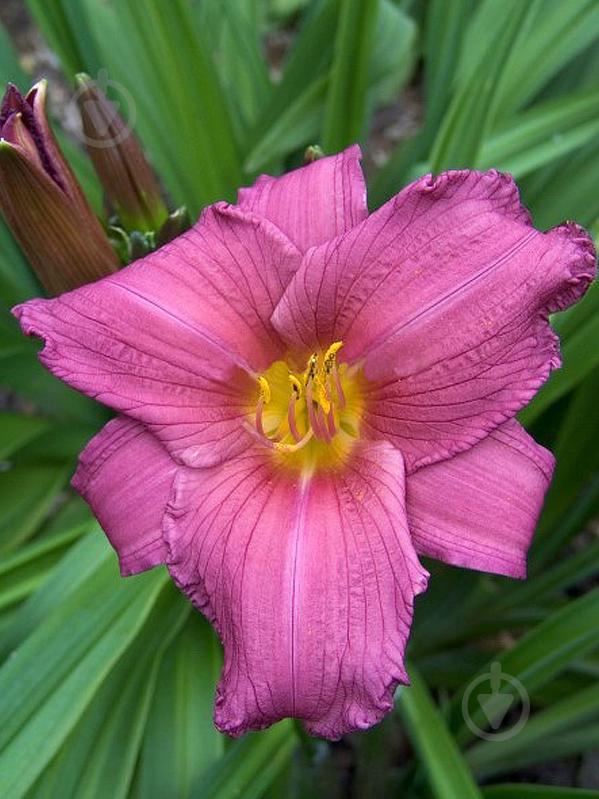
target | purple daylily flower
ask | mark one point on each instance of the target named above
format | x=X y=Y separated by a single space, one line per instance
x=311 y=397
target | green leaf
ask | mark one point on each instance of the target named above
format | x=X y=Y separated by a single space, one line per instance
x=473 y=110
x=99 y=756
x=490 y=758
x=47 y=684
x=231 y=33
x=567 y=572
x=158 y=67
x=24 y=571
x=180 y=740
x=542 y=134
x=345 y=110
x=521 y=791
x=560 y=31
x=81 y=562
x=16 y=430
x=580 y=357
x=295 y=114
x=541 y=654
x=250 y=765
x=308 y=63
x=566 y=189
x=577 y=466
x=57 y=28
x=26 y=495
x=446 y=769
x=24 y=374
x=444 y=31
x=10 y=68
x=17 y=281
x=297 y=124
x=445 y=24
x=393 y=54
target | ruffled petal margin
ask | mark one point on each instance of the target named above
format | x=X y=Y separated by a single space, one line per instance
x=480 y=508
x=314 y=203
x=444 y=294
x=126 y=476
x=310 y=582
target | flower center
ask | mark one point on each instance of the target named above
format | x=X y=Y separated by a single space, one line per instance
x=315 y=412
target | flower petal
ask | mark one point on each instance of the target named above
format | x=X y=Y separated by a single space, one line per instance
x=309 y=581
x=171 y=339
x=480 y=508
x=125 y=475
x=314 y=203
x=445 y=291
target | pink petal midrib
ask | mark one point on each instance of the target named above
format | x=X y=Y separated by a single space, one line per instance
x=394 y=330
x=295 y=545
x=200 y=331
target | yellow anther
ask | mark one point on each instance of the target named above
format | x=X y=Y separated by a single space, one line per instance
x=312 y=368
x=295 y=385
x=265 y=393
x=330 y=355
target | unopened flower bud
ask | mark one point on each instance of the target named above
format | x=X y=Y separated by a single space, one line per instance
x=42 y=201
x=128 y=180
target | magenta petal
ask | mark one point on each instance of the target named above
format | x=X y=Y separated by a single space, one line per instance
x=310 y=582
x=480 y=508
x=445 y=292
x=126 y=476
x=314 y=203
x=171 y=339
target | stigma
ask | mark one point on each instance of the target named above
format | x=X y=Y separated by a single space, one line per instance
x=309 y=408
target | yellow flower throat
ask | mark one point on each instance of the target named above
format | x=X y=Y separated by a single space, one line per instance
x=310 y=417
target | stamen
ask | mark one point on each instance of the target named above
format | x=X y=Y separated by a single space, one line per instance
x=331 y=423
x=311 y=369
x=330 y=368
x=331 y=355
x=312 y=418
x=264 y=399
x=291 y=417
x=295 y=385
x=322 y=397
x=259 y=409
x=265 y=393
x=294 y=447
x=338 y=386
x=323 y=426
x=319 y=392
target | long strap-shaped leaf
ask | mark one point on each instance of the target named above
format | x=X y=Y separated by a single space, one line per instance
x=250 y=765
x=48 y=683
x=345 y=112
x=471 y=114
x=522 y=791
x=449 y=776
x=489 y=758
x=542 y=653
